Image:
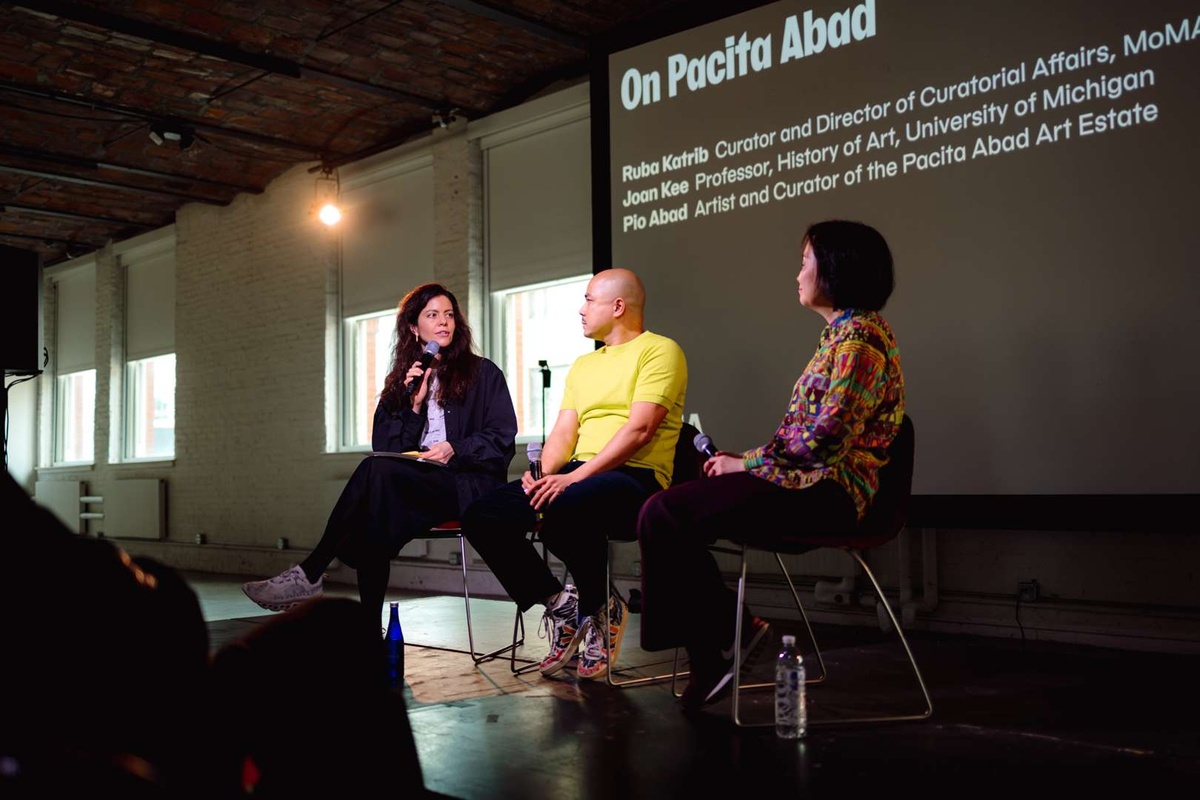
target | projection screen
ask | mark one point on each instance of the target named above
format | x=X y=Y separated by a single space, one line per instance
x=1033 y=166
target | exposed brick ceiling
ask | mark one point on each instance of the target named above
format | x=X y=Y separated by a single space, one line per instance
x=251 y=89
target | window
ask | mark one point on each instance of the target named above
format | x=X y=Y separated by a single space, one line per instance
x=150 y=383
x=149 y=377
x=74 y=353
x=540 y=323
x=369 y=342
x=387 y=247
x=538 y=211
x=75 y=426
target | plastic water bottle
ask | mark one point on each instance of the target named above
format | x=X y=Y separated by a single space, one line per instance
x=791 y=717
x=395 y=648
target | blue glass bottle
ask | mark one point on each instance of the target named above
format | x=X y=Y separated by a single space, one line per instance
x=395 y=648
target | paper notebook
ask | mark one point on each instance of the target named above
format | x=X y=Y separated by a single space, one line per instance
x=411 y=455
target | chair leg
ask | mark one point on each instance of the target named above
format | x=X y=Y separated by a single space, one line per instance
x=847 y=721
x=737 y=651
x=674 y=675
x=476 y=656
x=908 y=651
x=807 y=627
x=809 y=681
x=528 y=664
x=738 y=686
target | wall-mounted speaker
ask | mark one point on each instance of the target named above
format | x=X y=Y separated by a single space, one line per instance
x=21 y=303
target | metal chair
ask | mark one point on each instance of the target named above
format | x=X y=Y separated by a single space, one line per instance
x=885 y=519
x=688 y=465
x=451 y=529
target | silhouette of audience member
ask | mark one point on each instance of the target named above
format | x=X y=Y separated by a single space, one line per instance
x=110 y=683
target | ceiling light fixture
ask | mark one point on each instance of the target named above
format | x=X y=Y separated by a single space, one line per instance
x=444 y=119
x=161 y=132
x=326 y=202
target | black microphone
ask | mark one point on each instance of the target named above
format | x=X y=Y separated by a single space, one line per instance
x=426 y=359
x=704 y=444
x=533 y=451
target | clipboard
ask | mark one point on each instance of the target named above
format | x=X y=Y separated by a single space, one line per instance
x=409 y=455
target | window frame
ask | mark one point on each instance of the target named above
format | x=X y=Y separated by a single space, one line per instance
x=350 y=379
x=499 y=342
x=58 y=452
x=131 y=405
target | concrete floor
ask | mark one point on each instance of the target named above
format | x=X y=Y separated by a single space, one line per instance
x=1011 y=719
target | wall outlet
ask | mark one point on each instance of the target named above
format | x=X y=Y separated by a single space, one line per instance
x=1029 y=591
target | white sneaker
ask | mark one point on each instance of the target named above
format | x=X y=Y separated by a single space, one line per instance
x=285 y=591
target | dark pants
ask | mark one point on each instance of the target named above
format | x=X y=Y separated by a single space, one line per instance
x=575 y=527
x=386 y=504
x=685 y=602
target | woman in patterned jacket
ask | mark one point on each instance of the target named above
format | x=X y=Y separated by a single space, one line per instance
x=821 y=466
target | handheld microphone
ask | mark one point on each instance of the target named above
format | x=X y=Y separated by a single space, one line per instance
x=426 y=359
x=704 y=443
x=533 y=452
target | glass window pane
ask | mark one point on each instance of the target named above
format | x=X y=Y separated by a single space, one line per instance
x=541 y=323
x=76 y=426
x=371 y=343
x=152 y=407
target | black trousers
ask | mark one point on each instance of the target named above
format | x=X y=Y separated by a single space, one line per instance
x=576 y=527
x=685 y=602
x=386 y=503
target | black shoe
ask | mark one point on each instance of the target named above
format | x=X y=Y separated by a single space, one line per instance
x=707 y=678
x=712 y=671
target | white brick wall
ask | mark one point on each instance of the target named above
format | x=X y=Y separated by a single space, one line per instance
x=458 y=218
x=251 y=368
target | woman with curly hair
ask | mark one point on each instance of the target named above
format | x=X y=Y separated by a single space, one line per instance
x=458 y=413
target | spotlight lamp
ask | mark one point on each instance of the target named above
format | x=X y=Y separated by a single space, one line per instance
x=183 y=135
x=444 y=119
x=326 y=202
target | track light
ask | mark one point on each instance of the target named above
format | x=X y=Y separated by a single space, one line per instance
x=444 y=119
x=161 y=132
x=325 y=203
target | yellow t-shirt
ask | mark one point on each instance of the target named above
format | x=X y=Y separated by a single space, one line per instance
x=602 y=385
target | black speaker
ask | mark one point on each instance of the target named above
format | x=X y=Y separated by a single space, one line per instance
x=21 y=290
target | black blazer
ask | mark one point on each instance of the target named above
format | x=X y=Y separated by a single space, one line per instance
x=482 y=429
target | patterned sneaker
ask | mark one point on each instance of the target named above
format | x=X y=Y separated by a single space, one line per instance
x=595 y=659
x=285 y=591
x=562 y=628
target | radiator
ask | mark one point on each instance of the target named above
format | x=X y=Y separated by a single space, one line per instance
x=134 y=509
x=61 y=498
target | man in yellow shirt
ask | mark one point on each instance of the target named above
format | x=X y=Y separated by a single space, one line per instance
x=612 y=446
